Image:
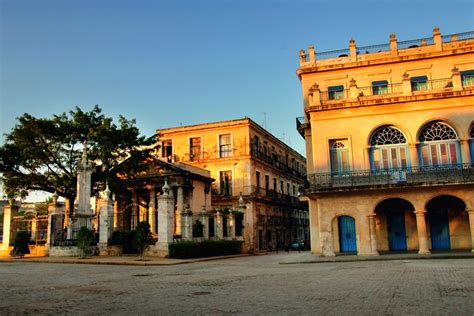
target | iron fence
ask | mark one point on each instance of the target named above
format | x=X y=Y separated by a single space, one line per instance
x=443 y=174
x=35 y=226
x=373 y=49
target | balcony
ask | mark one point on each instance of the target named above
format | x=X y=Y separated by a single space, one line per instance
x=372 y=179
x=275 y=160
x=407 y=90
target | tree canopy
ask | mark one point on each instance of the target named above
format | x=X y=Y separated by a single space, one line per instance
x=43 y=153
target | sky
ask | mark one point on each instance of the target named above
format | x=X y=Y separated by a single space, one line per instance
x=171 y=63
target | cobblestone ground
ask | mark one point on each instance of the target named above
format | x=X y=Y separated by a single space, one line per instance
x=247 y=285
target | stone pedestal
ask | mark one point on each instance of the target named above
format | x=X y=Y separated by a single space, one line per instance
x=105 y=220
x=165 y=221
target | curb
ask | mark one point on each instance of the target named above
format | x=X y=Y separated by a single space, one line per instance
x=428 y=257
x=133 y=262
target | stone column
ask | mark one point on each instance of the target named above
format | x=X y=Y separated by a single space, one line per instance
x=465 y=151
x=314 y=95
x=152 y=211
x=373 y=235
x=302 y=57
x=187 y=224
x=311 y=53
x=415 y=161
x=352 y=50
x=219 y=233
x=205 y=223
x=393 y=44
x=165 y=221
x=422 y=234
x=231 y=226
x=8 y=212
x=179 y=209
x=471 y=225
x=105 y=217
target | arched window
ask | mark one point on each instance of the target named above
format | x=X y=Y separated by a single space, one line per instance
x=471 y=143
x=388 y=149
x=439 y=145
x=339 y=151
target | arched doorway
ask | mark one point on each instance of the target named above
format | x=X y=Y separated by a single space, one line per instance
x=396 y=224
x=446 y=219
x=347 y=234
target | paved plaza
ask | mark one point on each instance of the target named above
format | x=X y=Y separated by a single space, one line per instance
x=246 y=285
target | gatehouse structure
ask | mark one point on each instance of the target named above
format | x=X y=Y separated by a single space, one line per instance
x=389 y=142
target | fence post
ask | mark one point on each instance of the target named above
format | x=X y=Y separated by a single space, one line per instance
x=8 y=212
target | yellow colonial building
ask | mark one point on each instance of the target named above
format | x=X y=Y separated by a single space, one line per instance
x=389 y=142
x=256 y=175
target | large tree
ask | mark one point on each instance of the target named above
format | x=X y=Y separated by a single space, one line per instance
x=43 y=153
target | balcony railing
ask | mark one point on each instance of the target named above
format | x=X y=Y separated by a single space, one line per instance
x=454 y=174
x=276 y=161
x=272 y=194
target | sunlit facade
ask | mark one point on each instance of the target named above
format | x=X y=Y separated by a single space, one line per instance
x=255 y=173
x=389 y=141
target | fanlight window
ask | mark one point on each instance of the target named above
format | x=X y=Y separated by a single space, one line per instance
x=387 y=135
x=389 y=149
x=439 y=145
x=437 y=131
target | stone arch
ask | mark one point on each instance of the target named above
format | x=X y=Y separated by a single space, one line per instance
x=448 y=223
x=395 y=225
x=336 y=232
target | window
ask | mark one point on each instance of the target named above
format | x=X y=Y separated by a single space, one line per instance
x=339 y=155
x=419 y=83
x=439 y=145
x=336 y=92
x=379 y=87
x=294 y=190
x=194 y=148
x=467 y=78
x=471 y=142
x=257 y=183
x=225 y=149
x=281 y=187
x=267 y=182
x=167 y=150
x=274 y=184
x=389 y=149
x=226 y=182
x=288 y=188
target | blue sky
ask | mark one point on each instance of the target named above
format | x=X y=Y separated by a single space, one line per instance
x=167 y=63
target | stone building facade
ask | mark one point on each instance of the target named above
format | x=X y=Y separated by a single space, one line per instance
x=389 y=141
x=254 y=172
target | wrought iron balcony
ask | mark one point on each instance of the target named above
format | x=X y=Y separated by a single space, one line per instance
x=414 y=176
x=275 y=160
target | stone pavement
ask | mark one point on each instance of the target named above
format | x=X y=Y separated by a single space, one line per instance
x=252 y=285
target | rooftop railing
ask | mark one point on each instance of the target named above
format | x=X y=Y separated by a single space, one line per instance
x=444 y=174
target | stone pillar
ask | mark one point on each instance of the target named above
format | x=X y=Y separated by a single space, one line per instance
x=105 y=217
x=353 y=50
x=367 y=165
x=393 y=44
x=231 y=226
x=302 y=57
x=311 y=53
x=406 y=84
x=471 y=225
x=8 y=213
x=187 y=224
x=465 y=151
x=456 y=79
x=326 y=242
x=152 y=211
x=205 y=223
x=179 y=209
x=353 y=91
x=219 y=233
x=415 y=161
x=165 y=221
x=52 y=209
x=314 y=95
x=373 y=235
x=34 y=225
x=438 y=42
x=422 y=234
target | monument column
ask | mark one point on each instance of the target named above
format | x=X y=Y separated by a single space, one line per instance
x=165 y=220
x=105 y=220
x=422 y=234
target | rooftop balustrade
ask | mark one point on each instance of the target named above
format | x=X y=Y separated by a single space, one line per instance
x=413 y=176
